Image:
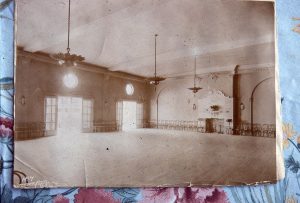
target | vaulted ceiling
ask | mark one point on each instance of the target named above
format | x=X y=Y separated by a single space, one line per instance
x=119 y=34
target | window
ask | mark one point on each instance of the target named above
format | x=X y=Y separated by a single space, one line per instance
x=129 y=89
x=87 y=114
x=70 y=80
x=50 y=114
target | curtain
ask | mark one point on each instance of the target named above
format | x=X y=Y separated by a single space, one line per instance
x=50 y=115
x=87 y=115
x=139 y=115
x=119 y=116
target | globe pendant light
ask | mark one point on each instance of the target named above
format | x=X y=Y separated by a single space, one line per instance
x=68 y=59
x=195 y=89
x=156 y=79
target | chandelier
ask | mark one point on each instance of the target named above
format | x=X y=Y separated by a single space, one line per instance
x=156 y=79
x=195 y=89
x=67 y=58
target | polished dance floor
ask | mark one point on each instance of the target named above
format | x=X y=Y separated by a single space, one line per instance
x=145 y=157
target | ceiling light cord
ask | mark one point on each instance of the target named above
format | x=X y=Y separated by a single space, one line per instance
x=195 y=89
x=155 y=80
x=195 y=71
x=67 y=59
x=155 y=56
x=69 y=23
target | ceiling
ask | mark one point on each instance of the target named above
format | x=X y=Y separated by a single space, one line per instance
x=119 y=34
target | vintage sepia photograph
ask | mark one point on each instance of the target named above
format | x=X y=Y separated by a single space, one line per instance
x=144 y=93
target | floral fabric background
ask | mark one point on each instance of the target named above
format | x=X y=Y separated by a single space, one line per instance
x=287 y=190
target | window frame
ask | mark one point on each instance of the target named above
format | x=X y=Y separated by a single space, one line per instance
x=53 y=115
x=87 y=115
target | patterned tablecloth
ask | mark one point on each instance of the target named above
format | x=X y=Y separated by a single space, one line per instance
x=287 y=190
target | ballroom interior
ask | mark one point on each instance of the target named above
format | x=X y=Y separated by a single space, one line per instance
x=144 y=93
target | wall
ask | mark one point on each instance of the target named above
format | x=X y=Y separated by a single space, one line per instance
x=264 y=110
x=176 y=101
x=36 y=79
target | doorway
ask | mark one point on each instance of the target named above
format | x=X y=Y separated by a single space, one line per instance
x=129 y=115
x=69 y=115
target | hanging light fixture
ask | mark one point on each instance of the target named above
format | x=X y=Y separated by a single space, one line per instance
x=156 y=79
x=68 y=59
x=195 y=89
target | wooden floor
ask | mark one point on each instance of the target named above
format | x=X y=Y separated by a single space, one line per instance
x=145 y=157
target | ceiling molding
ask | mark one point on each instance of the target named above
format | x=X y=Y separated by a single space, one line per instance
x=259 y=0
x=245 y=69
x=44 y=57
x=227 y=70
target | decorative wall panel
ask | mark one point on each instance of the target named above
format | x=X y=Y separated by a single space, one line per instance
x=215 y=105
